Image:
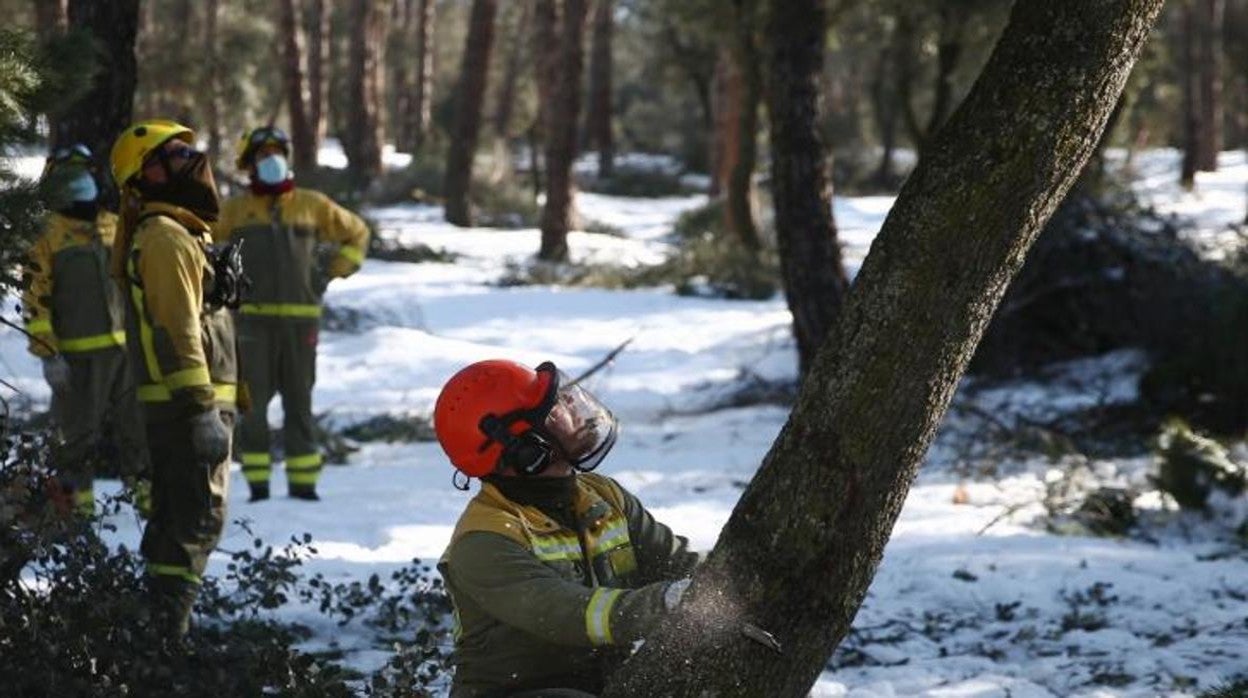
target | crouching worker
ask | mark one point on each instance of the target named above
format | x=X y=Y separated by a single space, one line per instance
x=182 y=351
x=553 y=570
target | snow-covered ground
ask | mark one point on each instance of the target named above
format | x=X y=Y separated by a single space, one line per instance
x=970 y=600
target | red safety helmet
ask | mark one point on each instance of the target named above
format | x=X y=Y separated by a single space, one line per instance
x=500 y=414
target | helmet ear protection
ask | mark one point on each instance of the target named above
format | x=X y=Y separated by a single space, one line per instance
x=528 y=453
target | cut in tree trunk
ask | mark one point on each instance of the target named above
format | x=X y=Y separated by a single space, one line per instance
x=563 y=116
x=361 y=139
x=1212 y=14
x=801 y=547
x=810 y=256
x=108 y=107
x=302 y=134
x=212 y=98
x=739 y=206
x=318 y=58
x=598 y=119
x=469 y=95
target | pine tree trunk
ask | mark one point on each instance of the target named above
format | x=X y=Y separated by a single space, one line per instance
x=505 y=103
x=725 y=104
x=1190 y=78
x=1211 y=14
x=318 y=58
x=545 y=51
x=563 y=116
x=598 y=120
x=302 y=136
x=473 y=76
x=884 y=108
x=361 y=138
x=108 y=107
x=421 y=113
x=739 y=206
x=810 y=256
x=801 y=548
x=212 y=98
x=50 y=17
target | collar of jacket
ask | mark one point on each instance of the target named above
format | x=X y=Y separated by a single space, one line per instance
x=189 y=220
x=589 y=508
x=77 y=226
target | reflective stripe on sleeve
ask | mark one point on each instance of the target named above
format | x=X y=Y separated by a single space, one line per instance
x=188 y=378
x=308 y=310
x=354 y=254
x=40 y=326
x=98 y=341
x=598 y=615
x=181 y=571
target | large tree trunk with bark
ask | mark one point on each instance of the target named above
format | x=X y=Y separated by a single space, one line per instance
x=302 y=135
x=1212 y=14
x=108 y=107
x=318 y=59
x=562 y=117
x=412 y=103
x=598 y=119
x=361 y=138
x=801 y=548
x=810 y=256
x=469 y=96
x=739 y=204
x=1190 y=78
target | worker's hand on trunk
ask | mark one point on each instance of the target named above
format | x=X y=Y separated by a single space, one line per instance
x=674 y=593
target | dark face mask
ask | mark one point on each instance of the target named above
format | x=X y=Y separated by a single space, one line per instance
x=192 y=187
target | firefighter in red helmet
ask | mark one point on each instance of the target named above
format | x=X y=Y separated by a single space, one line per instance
x=553 y=570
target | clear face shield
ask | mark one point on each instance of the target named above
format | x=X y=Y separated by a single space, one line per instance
x=580 y=427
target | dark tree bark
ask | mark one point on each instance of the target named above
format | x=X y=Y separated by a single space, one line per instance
x=51 y=16
x=318 y=58
x=884 y=107
x=108 y=107
x=302 y=134
x=562 y=118
x=725 y=108
x=802 y=545
x=505 y=103
x=1211 y=15
x=598 y=119
x=810 y=256
x=412 y=104
x=212 y=97
x=699 y=64
x=950 y=41
x=1190 y=77
x=473 y=75
x=739 y=206
x=361 y=139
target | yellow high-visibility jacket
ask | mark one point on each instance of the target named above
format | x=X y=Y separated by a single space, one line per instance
x=69 y=302
x=280 y=236
x=184 y=354
x=540 y=605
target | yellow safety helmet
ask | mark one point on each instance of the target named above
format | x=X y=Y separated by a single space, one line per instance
x=251 y=141
x=138 y=140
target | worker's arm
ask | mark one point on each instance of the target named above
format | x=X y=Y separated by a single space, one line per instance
x=513 y=586
x=336 y=224
x=661 y=554
x=37 y=297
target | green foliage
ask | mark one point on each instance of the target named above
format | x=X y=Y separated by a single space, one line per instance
x=1193 y=465
x=640 y=182
x=500 y=201
x=1235 y=689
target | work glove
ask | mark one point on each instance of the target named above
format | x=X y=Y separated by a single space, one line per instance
x=340 y=267
x=210 y=439
x=56 y=373
x=673 y=594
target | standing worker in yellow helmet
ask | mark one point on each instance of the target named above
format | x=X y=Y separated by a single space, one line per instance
x=182 y=351
x=75 y=316
x=284 y=229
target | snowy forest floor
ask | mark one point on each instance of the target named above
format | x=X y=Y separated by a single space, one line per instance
x=977 y=594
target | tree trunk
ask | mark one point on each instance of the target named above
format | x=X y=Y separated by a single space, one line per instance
x=598 y=120
x=318 y=58
x=415 y=36
x=469 y=95
x=810 y=256
x=421 y=113
x=1211 y=14
x=884 y=107
x=108 y=107
x=949 y=47
x=504 y=105
x=1190 y=78
x=362 y=138
x=212 y=98
x=302 y=135
x=739 y=206
x=50 y=17
x=545 y=66
x=563 y=116
x=801 y=547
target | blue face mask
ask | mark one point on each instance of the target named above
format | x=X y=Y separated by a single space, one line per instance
x=272 y=169
x=83 y=188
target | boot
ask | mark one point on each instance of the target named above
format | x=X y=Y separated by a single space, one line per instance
x=304 y=492
x=259 y=491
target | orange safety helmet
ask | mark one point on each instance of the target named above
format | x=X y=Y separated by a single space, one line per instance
x=498 y=413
